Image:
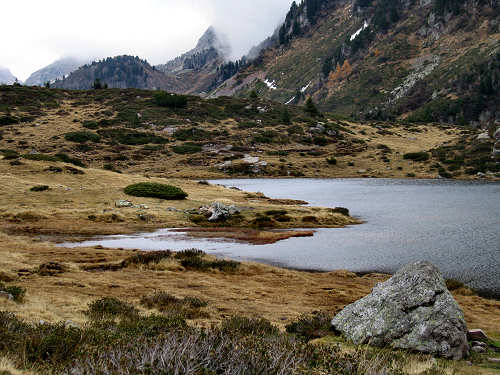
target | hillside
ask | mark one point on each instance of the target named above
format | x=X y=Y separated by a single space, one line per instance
x=54 y=71
x=436 y=60
x=140 y=131
x=120 y=72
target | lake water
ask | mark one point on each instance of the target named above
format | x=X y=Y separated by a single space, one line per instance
x=453 y=224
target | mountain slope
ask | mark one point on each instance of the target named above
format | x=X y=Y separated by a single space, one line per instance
x=434 y=60
x=54 y=71
x=6 y=77
x=197 y=68
x=120 y=72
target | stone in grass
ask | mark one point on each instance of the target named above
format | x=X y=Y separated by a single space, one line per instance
x=412 y=310
x=477 y=335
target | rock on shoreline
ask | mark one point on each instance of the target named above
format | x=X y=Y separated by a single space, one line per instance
x=412 y=310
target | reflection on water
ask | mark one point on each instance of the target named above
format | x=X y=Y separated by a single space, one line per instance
x=453 y=224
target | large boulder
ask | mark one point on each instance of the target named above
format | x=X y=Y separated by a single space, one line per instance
x=412 y=310
x=218 y=211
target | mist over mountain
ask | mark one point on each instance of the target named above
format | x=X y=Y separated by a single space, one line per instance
x=6 y=77
x=54 y=71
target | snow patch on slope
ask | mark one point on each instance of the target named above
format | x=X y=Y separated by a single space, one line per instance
x=271 y=84
x=356 y=34
x=291 y=100
x=303 y=89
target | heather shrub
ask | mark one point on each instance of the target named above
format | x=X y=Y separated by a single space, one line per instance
x=82 y=137
x=155 y=190
x=40 y=188
x=416 y=156
x=110 y=308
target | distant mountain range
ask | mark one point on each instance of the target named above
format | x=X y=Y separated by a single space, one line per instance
x=419 y=60
x=6 y=77
x=54 y=71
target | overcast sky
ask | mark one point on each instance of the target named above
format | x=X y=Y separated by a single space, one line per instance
x=34 y=33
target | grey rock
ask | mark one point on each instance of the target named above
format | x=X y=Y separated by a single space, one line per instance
x=219 y=211
x=497 y=134
x=477 y=335
x=494 y=360
x=173 y=209
x=478 y=343
x=478 y=349
x=6 y=296
x=123 y=203
x=413 y=310
x=483 y=137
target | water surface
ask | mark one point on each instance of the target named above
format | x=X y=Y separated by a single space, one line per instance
x=454 y=224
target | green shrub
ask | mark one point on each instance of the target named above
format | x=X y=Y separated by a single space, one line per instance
x=341 y=210
x=312 y=326
x=90 y=125
x=41 y=157
x=40 y=188
x=244 y=326
x=8 y=120
x=189 y=253
x=165 y=99
x=416 y=156
x=199 y=264
x=331 y=160
x=263 y=222
x=55 y=158
x=155 y=190
x=108 y=307
x=192 y=134
x=187 y=148
x=131 y=138
x=164 y=301
x=17 y=292
x=9 y=154
x=147 y=258
x=82 y=137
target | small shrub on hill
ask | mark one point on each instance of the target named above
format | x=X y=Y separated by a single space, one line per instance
x=9 y=154
x=40 y=188
x=309 y=327
x=110 y=308
x=165 y=99
x=15 y=291
x=155 y=190
x=187 y=148
x=192 y=134
x=131 y=138
x=82 y=137
x=331 y=160
x=244 y=326
x=416 y=156
x=147 y=258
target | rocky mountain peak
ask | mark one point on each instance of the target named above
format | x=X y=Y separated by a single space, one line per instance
x=6 y=77
x=212 y=39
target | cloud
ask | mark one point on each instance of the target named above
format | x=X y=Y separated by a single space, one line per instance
x=35 y=33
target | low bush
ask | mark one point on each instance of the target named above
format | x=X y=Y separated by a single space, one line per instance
x=110 y=308
x=60 y=157
x=40 y=188
x=416 y=156
x=263 y=222
x=90 y=125
x=331 y=160
x=147 y=258
x=82 y=137
x=187 y=148
x=309 y=327
x=155 y=190
x=131 y=138
x=15 y=291
x=9 y=154
x=8 y=120
x=192 y=134
x=197 y=263
x=188 y=307
x=453 y=284
x=165 y=99
x=341 y=210
x=189 y=253
x=256 y=327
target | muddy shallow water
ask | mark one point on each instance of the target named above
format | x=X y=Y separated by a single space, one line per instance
x=454 y=224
